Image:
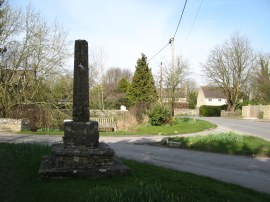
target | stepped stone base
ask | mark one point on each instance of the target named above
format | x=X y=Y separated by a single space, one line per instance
x=81 y=154
x=81 y=161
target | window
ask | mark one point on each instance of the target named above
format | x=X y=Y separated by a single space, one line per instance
x=219 y=99
x=210 y=99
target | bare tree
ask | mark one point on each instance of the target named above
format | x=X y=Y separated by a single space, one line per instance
x=260 y=83
x=230 y=66
x=33 y=52
x=174 y=79
x=97 y=62
x=114 y=74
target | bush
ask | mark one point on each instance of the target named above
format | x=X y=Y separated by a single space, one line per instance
x=261 y=115
x=139 y=110
x=40 y=115
x=211 y=110
x=159 y=114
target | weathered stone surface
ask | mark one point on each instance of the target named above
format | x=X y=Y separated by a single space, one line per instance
x=81 y=133
x=81 y=154
x=81 y=161
x=82 y=157
x=47 y=170
x=81 y=82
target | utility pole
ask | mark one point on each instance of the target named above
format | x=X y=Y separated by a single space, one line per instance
x=172 y=79
x=172 y=44
x=160 y=85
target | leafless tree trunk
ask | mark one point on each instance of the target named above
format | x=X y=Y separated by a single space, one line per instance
x=174 y=79
x=230 y=66
x=98 y=59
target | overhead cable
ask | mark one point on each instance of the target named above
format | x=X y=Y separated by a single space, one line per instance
x=174 y=33
x=180 y=19
x=159 y=52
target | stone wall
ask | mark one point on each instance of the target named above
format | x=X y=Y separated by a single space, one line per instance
x=13 y=125
x=253 y=111
x=235 y=114
x=187 y=112
x=108 y=113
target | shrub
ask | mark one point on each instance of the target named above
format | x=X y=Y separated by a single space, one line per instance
x=159 y=114
x=40 y=115
x=261 y=115
x=139 y=110
x=210 y=110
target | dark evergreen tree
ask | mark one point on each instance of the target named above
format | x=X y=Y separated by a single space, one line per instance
x=142 y=89
x=122 y=85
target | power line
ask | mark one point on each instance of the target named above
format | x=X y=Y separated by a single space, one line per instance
x=180 y=19
x=194 y=20
x=174 y=33
x=159 y=52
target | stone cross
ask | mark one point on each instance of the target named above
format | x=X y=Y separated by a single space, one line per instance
x=81 y=82
x=81 y=154
x=81 y=131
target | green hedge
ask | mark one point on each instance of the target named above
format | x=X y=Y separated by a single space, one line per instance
x=211 y=110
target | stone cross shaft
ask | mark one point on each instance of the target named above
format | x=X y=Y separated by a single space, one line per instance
x=81 y=82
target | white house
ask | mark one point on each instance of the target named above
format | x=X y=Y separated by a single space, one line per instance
x=211 y=96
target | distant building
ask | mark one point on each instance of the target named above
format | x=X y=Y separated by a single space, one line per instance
x=211 y=96
x=179 y=95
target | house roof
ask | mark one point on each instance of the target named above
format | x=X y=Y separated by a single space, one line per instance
x=212 y=92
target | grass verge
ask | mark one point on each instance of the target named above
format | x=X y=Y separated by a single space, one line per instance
x=226 y=143
x=19 y=181
x=182 y=125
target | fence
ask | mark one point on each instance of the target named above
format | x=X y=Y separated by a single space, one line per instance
x=105 y=124
x=255 y=111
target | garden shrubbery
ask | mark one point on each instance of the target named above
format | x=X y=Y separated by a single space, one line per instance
x=41 y=115
x=159 y=114
x=211 y=110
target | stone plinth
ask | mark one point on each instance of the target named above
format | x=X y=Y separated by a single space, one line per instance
x=81 y=161
x=81 y=133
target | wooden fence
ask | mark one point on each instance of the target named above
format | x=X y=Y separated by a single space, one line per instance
x=105 y=124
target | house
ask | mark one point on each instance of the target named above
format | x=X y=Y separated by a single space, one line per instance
x=165 y=95
x=211 y=96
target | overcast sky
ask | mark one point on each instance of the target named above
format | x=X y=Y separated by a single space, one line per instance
x=127 y=28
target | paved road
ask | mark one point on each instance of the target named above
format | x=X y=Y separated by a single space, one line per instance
x=253 y=127
x=252 y=173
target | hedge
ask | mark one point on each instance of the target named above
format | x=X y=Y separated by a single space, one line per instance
x=211 y=110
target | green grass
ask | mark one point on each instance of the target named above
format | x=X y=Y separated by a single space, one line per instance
x=19 y=181
x=182 y=126
x=227 y=143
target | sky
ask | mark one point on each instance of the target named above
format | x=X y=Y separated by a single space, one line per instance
x=124 y=29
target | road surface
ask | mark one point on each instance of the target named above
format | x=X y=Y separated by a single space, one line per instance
x=252 y=173
x=255 y=127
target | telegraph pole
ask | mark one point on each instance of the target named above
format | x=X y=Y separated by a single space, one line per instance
x=172 y=78
x=160 y=85
x=172 y=44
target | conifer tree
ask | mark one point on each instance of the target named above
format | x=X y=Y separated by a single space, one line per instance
x=142 y=88
x=122 y=85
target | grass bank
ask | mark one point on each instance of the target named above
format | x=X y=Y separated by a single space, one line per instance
x=19 y=181
x=226 y=143
x=182 y=125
